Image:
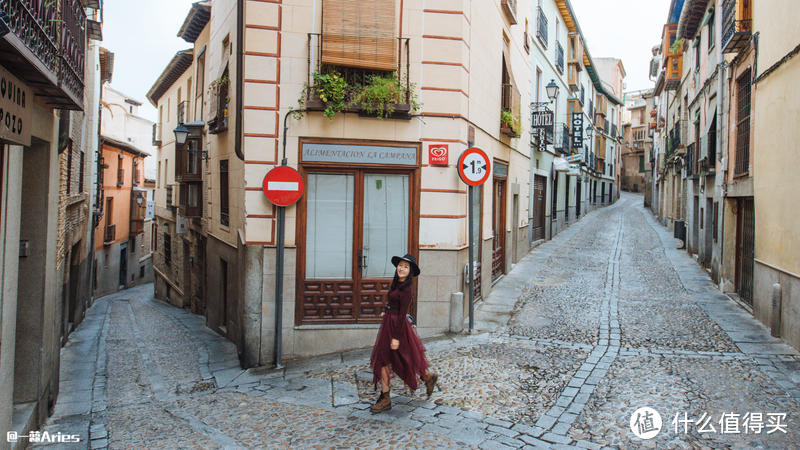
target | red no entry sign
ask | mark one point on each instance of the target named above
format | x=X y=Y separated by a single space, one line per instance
x=283 y=186
x=473 y=166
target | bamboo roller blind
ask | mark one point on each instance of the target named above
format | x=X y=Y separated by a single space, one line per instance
x=359 y=33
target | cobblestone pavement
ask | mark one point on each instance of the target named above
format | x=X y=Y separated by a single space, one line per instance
x=605 y=318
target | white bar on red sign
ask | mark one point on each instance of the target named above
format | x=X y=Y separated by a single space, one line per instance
x=283 y=186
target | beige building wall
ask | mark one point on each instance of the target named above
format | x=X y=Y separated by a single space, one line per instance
x=774 y=160
x=447 y=54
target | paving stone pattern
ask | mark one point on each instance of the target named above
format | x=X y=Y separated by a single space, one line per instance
x=606 y=317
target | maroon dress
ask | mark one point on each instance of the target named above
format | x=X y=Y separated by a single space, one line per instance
x=408 y=361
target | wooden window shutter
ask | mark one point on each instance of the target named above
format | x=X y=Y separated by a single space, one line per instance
x=359 y=33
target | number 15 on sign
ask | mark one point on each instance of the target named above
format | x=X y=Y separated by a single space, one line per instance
x=474 y=167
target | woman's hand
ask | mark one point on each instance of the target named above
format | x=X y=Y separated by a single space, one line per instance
x=382 y=313
x=395 y=344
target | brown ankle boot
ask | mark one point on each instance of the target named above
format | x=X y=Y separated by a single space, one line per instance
x=384 y=402
x=430 y=382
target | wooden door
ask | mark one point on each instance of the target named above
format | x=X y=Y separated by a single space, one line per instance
x=745 y=250
x=353 y=222
x=539 y=191
x=499 y=228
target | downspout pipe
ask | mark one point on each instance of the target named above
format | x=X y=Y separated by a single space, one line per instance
x=239 y=77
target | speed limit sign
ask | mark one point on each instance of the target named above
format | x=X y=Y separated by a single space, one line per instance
x=473 y=166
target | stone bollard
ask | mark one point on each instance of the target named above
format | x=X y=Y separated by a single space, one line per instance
x=456 y=312
x=775 y=319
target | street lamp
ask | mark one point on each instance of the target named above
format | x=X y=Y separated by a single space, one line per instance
x=181 y=133
x=552 y=94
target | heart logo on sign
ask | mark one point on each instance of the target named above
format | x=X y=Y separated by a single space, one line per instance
x=438 y=151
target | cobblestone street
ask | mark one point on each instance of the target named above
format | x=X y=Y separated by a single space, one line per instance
x=605 y=318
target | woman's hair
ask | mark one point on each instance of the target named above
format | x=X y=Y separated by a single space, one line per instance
x=397 y=284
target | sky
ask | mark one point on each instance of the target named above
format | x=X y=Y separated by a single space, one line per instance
x=144 y=42
x=142 y=34
x=624 y=29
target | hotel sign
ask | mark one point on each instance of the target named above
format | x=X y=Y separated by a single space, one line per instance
x=16 y=109
x=359 y=154
x=577 y=130
x=541 y=127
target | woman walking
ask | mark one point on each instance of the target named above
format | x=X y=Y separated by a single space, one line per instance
x=398 y=349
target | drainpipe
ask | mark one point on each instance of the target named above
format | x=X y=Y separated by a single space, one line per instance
x=239 y=76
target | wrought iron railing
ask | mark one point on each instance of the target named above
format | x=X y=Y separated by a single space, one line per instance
x=562 y=138
x=54 y=31
x=559 y=57
x=110 y=233
x=541 y=28
x=735 y=33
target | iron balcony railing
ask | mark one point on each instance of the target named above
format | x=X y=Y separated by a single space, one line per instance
x=110 y=234
x=357 y=78
x=541 y=28
x=735 y=33
x=690 y=160
x=48 y=47
x=559 y=57
x=562 y=138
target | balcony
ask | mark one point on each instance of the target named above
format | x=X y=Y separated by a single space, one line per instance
x=737 y=25
x=138 y=210
x=368 y=92
x=510 y=9
x=541 y=28
x=674 y=67
x=191 y=204
x=110 y=234
x=561 y=143
x=575 y=55
x=46 y=48
x=220 y=100
x=188 y=161
x=559 y=58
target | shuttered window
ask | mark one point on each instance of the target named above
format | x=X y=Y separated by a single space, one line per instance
x=359 y=33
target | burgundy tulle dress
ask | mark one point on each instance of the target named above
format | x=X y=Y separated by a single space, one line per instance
x=407 y=362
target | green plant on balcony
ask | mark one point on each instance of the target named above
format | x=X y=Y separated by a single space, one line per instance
x=676 y=46
x=381 y=94
x=509 y=122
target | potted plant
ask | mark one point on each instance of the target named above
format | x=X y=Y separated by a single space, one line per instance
x=509 y=124
x=385 y=96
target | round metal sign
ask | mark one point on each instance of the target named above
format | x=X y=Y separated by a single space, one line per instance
x=283 y=186
x=473 y=166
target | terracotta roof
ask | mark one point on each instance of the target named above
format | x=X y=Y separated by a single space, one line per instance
x=126 y=146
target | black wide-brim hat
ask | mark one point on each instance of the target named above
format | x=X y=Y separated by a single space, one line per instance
x=411 y=260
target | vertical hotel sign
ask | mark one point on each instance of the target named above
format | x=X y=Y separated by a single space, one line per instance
x=577 y=130
x=16 y=106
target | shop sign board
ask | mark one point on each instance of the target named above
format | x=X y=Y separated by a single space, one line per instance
x=438 y=154
x=359 y=154
x=16 y=109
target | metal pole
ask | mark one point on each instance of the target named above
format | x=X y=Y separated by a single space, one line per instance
x=471 y=227
x=279 y=289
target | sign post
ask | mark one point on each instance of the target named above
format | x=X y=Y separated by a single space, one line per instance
x=473 y=169
x=283 y=186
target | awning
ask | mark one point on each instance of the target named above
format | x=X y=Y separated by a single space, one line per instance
x=560 y=165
